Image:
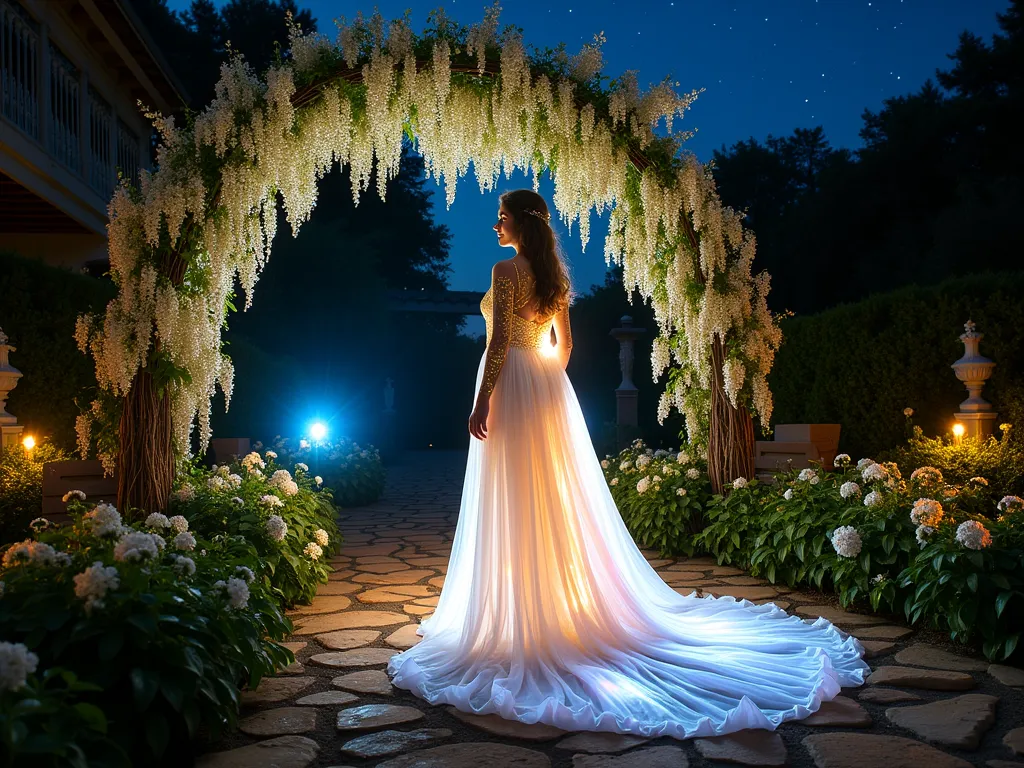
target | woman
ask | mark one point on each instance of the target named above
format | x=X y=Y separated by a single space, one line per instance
x=549 y=611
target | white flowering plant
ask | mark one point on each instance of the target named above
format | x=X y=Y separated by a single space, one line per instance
x=785 y=531
x=279 y=514
x=354 y=473
x=968 y=577
x=660 y=495
x=165 y=650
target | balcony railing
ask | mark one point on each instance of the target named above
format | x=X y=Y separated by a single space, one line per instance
x=65 y=110
x=19 y=68
x=45 y=95
x=101 y=144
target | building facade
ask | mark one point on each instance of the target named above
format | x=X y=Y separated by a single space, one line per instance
x=72 y=75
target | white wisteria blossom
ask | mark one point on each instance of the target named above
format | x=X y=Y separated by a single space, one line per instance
x=277 y=528
x=92 y=584
x=677 y=244
x=873 y=499
x=846 y=541
x=17 y=662
x=178 y=524
x=973 y=535
x=849 y=489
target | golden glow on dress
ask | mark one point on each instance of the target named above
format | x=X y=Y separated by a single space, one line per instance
x=550 y=613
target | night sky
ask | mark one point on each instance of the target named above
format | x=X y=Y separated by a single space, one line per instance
x=765 y=67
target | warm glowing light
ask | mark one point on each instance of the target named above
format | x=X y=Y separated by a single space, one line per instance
x=29 y=442
x=318 y=430
x=549 y=350
x=958 y=429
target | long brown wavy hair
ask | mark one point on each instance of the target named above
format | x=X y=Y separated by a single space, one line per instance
x=540 y=246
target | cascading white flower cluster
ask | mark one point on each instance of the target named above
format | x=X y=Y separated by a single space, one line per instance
x=177 y=245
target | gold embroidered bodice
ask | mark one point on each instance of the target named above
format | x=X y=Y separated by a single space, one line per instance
x=506 y=328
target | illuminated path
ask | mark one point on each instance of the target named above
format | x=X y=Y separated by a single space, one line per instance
x=924 y=706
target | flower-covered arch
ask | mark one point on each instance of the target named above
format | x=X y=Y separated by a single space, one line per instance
x=207 y=216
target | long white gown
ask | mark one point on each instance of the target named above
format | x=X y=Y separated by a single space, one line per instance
x=551 y=614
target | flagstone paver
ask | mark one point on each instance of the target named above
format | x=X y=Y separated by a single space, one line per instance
x=281 y=721
x=929 y=679
x=749 y=747
x=958 y=722
x=344 y=639
x=388 y=579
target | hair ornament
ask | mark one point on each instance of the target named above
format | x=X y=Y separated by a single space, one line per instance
x=546 y=217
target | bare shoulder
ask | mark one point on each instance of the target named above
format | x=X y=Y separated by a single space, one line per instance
x=504 y=268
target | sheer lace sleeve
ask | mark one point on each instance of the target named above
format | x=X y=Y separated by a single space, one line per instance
x=563 y=335
x=503 y=290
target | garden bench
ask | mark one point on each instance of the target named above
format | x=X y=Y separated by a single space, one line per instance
x=795 y=446
x=59 y=477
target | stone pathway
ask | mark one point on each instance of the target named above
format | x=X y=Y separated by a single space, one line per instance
x=923 y=705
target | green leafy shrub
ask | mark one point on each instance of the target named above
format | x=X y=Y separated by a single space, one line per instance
x=45 y=723
x=660 y=495
x=288 y=519
x=969 y=578
x=167 y=631
x=21 y=486
x=354 y=474
x=1000 y=461
x=861 y=364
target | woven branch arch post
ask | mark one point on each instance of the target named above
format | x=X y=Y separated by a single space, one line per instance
x=203 y=222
